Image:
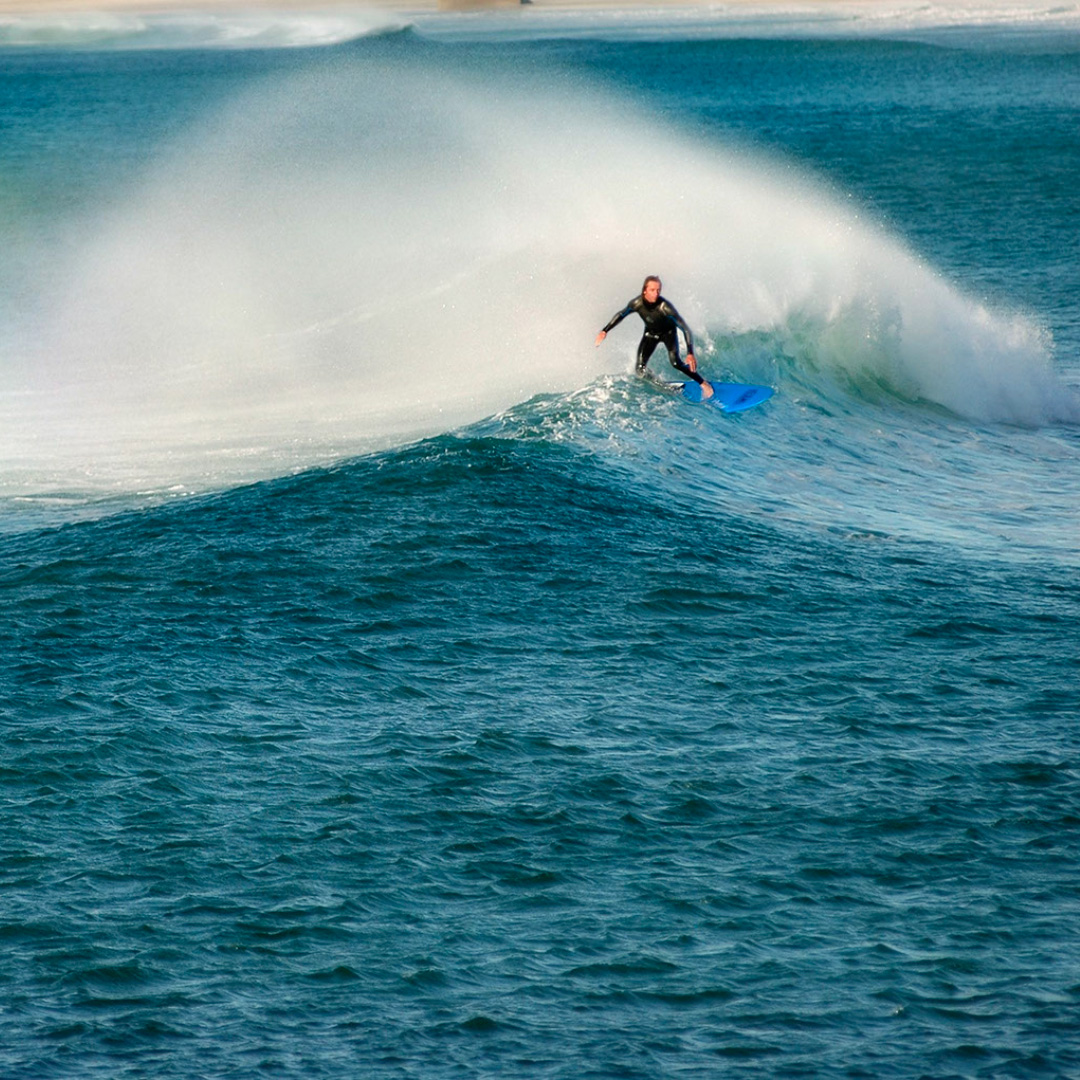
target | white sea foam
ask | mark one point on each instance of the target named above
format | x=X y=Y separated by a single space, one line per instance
x=766 y=18
x=239 y=27
x=366 y=254
x=231 y=29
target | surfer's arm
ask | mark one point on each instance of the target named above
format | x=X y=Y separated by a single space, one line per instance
x=615 y=320
x=680 y=322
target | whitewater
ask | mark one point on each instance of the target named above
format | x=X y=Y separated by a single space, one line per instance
x=395 y=685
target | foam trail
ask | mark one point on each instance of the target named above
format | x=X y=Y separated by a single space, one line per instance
x=366 y=254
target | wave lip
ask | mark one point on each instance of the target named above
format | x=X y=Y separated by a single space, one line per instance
x=194 y=29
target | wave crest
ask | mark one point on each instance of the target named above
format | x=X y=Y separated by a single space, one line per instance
x=372 y=251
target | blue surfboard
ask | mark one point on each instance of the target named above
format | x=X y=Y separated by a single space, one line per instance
x=727 y=396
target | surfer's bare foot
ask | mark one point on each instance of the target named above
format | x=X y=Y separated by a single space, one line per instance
x=706 y=390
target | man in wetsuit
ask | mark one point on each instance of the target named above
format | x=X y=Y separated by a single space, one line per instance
x=662 y=323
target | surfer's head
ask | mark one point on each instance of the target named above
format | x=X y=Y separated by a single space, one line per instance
x=651 y=289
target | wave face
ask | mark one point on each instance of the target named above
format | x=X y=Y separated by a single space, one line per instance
x=371 y=250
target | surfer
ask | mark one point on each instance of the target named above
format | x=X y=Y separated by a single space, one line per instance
x=662 y=323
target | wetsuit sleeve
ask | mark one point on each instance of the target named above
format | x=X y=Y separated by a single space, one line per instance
x=618 y=318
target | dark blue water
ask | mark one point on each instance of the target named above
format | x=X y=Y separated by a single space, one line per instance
x=566 y=729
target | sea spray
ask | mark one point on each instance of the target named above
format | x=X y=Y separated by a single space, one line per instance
x=369 y=251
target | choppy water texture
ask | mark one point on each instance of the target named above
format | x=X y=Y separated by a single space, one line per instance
x=394 y=686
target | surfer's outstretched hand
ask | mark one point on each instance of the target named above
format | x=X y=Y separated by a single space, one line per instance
x=600 y=337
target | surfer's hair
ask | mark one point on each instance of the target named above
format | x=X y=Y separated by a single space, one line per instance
x=651 y=277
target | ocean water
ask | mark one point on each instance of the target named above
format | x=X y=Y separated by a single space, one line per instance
x=394 y=686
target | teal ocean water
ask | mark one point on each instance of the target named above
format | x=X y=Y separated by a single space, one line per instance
x=394 y=686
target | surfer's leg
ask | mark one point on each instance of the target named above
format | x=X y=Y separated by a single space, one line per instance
x=677 y=363
x=644 y=351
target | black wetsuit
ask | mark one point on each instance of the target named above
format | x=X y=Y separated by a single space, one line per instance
x=662 y=322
